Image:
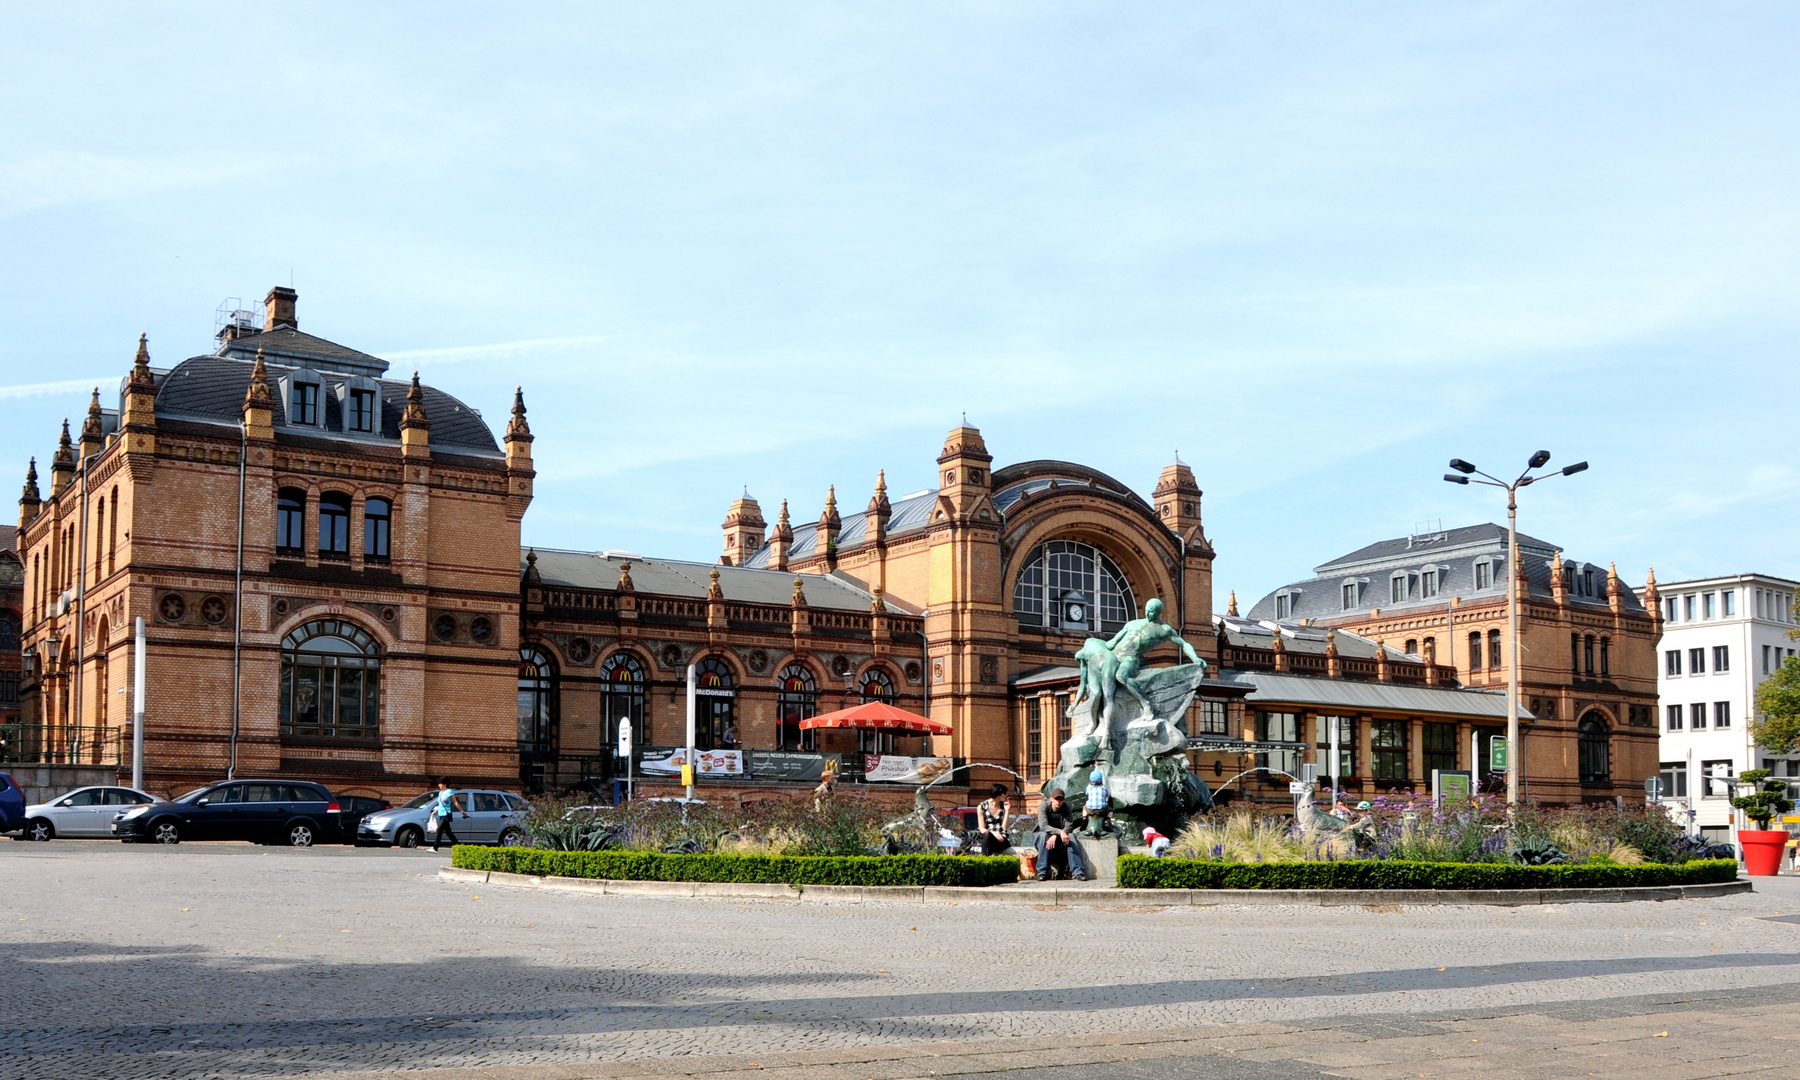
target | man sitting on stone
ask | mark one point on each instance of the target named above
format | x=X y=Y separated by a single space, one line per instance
x=1055 y=834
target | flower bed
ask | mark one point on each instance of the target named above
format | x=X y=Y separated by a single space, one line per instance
x=1143 y=872
x=768 y=869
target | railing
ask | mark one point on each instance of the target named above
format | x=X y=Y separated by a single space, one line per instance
x=51 y=744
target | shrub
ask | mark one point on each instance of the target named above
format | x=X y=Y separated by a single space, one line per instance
x=1143 y=872
x=770 y=869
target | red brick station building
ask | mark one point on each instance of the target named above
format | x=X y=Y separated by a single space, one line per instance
x=329 y=566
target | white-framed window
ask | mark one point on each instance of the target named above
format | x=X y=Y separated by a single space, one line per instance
x=1674 y=717
x=1696 y=661
x=1721 y=659
x=1672 y=662
x=1687 y=608
x=1765 y=659
x=1672 y=604
x=1697 y=716
x=1674 y=779
x=1717 y=776
x=1728 y=603
x=1721 y=714
x=1708 y=606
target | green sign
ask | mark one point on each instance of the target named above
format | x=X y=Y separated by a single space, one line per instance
x=1497 y=754
x=1451 y=786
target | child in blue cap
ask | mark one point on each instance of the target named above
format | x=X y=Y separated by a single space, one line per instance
x=1098 y=807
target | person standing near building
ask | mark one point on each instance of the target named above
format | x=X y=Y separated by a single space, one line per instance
x=447 y=804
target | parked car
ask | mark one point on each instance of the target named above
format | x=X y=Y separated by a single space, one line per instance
x=352 y=809
x=264 y=811
x=84 y=812
x=489 y=817
x=12 y=805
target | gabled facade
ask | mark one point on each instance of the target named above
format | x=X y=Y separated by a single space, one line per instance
x=325 y=560
x=1588 y=642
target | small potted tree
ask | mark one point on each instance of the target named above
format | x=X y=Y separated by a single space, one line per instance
x=1761 y=799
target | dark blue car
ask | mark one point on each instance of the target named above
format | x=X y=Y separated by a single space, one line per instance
x=12 y=805
x=262 y=811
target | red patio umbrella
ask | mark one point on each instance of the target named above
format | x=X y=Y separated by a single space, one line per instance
x=876 y=716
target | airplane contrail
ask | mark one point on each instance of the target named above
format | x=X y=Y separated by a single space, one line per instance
x=67 y=386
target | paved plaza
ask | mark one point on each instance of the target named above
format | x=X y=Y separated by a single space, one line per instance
x=229 y=960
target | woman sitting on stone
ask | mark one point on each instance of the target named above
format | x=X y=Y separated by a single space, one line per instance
x=996 y=815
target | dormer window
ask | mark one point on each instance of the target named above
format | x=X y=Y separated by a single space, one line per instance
x=303 y=404
x=1285 y=604
x=1352 y=595
x=1430 y=580
x=362 y=410
x=1484 y=574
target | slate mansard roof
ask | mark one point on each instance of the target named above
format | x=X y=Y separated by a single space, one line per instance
x=690 y=580
x=211 y=389
x=1454 y=554
x=1010 y=484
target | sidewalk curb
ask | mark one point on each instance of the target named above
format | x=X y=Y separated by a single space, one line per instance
x=1093 y=897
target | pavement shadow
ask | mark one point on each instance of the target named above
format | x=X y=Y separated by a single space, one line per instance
x=175 y=1012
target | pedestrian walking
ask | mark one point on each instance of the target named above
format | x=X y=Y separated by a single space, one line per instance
x=447 y=804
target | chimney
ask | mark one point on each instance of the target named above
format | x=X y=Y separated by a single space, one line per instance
x=278 y=309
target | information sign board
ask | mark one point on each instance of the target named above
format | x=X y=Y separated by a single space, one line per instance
x=1497 y=754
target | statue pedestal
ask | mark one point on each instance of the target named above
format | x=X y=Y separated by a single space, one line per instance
x=1101 y=855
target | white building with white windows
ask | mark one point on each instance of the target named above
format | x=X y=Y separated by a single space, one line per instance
x=1721 y=638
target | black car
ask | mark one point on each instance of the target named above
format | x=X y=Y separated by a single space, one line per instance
x=264 y=811
x=353 y=809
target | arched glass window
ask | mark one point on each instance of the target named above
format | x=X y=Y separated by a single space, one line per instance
x=1594 y=750
x=796 y=699
x=622 y=698
x=877 y=685
x=715 y=706
x=334 y=525
x=1067 y=585
x=330 y=682
x=378 y=517
x=537 y=701
x=290 y=522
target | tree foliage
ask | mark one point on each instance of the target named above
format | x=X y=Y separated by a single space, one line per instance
x=1777 y=728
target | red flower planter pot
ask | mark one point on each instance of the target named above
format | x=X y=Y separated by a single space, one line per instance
x=1762 y=850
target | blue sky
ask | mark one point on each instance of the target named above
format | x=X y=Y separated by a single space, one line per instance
x=1318 y=249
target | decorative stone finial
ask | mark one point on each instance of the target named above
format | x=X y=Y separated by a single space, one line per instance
x=65 y=450
x=140 y=366
x=713 y=591
x=90 y=426
x=258 y=395
x=414 y=416
x=783 y=529
x=1231 y=607
x=517 y=430
x=799 y=597
x=31 y=494
x=532 y=577
x=625 y=583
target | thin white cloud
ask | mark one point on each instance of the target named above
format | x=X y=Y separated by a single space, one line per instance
x=44 y=389
x=458 y=354
x=62 y=177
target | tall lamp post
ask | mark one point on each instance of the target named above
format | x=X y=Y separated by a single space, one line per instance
x=1515 y=757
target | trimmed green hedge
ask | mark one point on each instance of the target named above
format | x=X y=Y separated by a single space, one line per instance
x=768 y=869
x=1144 y=872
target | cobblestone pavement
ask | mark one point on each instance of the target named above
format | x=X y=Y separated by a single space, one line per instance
x=232 y=960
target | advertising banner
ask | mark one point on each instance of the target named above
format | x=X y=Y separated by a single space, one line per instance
x=786 y=765
x=896 y=769
x=668 y=762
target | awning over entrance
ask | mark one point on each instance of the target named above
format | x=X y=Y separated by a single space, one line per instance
x=876 y=716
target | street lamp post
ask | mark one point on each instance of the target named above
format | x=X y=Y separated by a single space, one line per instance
x=1515 y=756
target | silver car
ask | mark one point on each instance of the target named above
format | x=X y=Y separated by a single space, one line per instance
x=84 y=812
x=488 y=817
